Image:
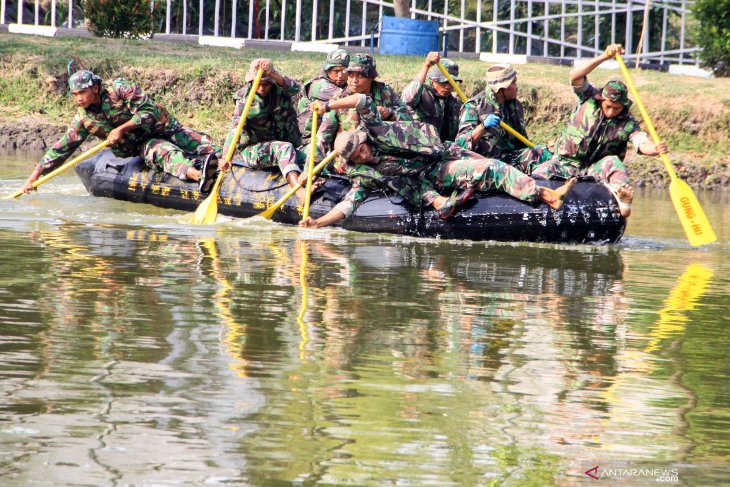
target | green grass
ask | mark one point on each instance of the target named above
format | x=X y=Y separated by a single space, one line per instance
x=197 y=84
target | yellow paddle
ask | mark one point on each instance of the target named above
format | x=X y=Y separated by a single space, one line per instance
x=207 y=212
x=310 y=169
x=68 y=165
x=694 y=222
x=269 y=212
x=463 y=99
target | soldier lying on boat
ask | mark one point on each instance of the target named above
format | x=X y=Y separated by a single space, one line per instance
x=596 y=136
x=409 y=158
x=271 y=133
x=135 y=126
x=327 y=84
x=433 y=101
x=480 y=117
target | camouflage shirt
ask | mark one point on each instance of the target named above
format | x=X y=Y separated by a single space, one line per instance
x=121 y=101
x=318 y=88
x=270 y=118
x=335 y=121
x=427 y=106
x=496 y=142
x=589 y=136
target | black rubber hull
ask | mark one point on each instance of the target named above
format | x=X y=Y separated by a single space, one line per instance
x=590 y=214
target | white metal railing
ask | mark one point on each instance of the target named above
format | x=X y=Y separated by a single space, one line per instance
x=549 y=28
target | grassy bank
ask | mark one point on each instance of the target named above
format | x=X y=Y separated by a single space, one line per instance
x=197 y=84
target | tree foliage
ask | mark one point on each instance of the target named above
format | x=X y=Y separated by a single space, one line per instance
x=132 y=19
x=713 y=34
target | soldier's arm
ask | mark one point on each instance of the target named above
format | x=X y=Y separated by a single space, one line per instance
x=471 y=129
x=643 y=145
x=57 y=154
x=352 y=200
x=579 y=73
x=326 y=134
x=411 y=95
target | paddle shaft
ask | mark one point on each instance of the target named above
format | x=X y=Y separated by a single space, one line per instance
x=269 y=212
x=207 y=211
x=463 y=99
x=64 y=167
x=645 y=115
x=310 y=169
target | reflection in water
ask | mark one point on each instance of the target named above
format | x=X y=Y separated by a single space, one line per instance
x=155 y=356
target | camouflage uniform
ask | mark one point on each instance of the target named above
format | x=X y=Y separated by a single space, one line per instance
x=496 y=142
x=346 y=119
x=426 y=105
x=159 y=139
x=411 y=160
x=270 y=134
x=319 y=88
x=593 y=145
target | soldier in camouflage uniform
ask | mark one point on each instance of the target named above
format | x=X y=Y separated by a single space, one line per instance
x=327 y=84
x=479 y=128
x=135 y=126
x=409 y=158
x=433 y=101
x=361 y=74
x=596 y=136
x=271 y=134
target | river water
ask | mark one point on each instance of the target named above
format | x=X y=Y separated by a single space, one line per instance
x=136 y=349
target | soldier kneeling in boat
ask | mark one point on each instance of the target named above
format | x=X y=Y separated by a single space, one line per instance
x=409 y=157
x=135 y=126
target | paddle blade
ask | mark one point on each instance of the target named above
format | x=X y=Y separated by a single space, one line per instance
x=207 y=211
x=694 y=222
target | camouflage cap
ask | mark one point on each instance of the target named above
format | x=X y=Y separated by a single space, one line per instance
x=81 y=80
x=348 y=141
x=251 y=75
x=500 y=76
x=362 y=63
x=435 y=74
x=338 y=57
x=616 y=91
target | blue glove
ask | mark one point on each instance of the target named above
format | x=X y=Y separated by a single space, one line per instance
x=492 y=120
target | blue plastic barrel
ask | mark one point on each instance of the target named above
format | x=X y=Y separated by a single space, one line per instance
x=400 y=35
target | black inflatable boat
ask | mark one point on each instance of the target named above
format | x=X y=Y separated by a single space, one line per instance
x=590 y=213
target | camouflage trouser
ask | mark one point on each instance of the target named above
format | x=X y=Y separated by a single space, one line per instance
x=526 y=160
x=481 y=174
x=609 y=170
x=174 y=153
x=270 y=154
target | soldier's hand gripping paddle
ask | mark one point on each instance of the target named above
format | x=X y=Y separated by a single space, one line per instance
x=68 y=165
x=207 y=212
x=463 y=99
x=694 y=222
x=269 y=212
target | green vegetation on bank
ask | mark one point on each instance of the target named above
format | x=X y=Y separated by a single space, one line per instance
x=197 y=83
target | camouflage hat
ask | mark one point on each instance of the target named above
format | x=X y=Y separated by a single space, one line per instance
x=348 y=141
x=81 y=80
x=435 y=74
x=616 y=91
x=338 y=57
x=500 y=76
x=362 y=63
x=251 y=75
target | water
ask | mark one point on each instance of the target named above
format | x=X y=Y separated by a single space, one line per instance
x=139 y=350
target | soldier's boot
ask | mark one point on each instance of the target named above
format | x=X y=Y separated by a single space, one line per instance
x=207 y=173
x=556 y=197
x=446 y=210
